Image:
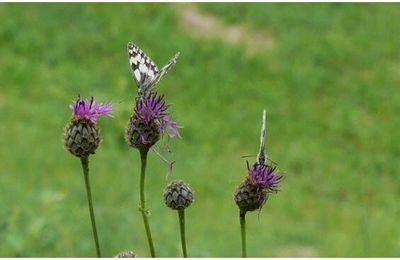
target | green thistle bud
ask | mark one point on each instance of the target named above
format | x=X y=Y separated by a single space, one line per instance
x=81 y=137
x=249 y=196
x=178 y=195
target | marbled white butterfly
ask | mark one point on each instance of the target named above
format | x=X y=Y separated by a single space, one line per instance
x=145 y=72
x=261 y=157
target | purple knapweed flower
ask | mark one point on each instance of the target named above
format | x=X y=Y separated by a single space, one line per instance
x=83 y=108
x=151 y=107
x=149 y=121
x=81 y=135
x=265 y=177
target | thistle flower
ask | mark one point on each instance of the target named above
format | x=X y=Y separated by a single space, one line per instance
x=260 y=181
x=178 y=196
x=253 y=192
x=250 y=197
x=81 y=136
x=264 y=176
x=149 y=121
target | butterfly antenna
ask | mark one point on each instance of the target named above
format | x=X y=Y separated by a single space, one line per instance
x=272 y=161
x=247 y=156
x=261 y=154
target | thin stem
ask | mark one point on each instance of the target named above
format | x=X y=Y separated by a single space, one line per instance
x=243 y=232
x=143 y=210
x=85 y=167
x=181 y=214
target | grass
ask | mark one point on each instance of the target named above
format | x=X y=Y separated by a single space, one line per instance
x=330 y=86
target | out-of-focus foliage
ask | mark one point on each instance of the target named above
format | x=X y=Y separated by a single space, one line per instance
x=327 y=74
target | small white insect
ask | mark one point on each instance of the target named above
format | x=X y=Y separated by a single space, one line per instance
x=261 y=157
x=145 y=71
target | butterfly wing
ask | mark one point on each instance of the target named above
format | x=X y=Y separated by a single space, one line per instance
x=165 y=69
x=261 y=154
x=144 y=70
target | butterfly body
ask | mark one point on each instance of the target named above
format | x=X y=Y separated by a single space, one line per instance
x=144 y=70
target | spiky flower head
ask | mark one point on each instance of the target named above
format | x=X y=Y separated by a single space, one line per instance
x=81 y=135
x=250 y=197
x=178 y=195
x=90 y=110
x=149 y=121
x=264 y=176
x=126 y=254
x=253 y=192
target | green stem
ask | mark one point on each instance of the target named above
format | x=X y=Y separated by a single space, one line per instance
x=143 y=210
x=243 y=232
x=181 y=214
x=85 y=167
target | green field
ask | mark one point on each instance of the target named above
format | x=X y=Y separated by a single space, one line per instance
x=327 y=74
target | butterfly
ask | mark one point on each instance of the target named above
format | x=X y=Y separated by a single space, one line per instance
x=261 y=157
x=144 y=70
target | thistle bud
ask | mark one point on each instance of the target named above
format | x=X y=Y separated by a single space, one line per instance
x=178 y=195
x=126 y=254
x=141 y=135
x=81 y=136
x=250 y=197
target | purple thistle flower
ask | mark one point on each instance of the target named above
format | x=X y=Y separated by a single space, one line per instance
x=149 y=122
x=83 y=108
x=153 y=108
x=265 y=177
x=150 y=107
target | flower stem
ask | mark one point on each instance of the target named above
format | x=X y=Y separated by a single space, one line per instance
x=243 y=232
x=181 y=214
x=85 y=167
x=143 y=210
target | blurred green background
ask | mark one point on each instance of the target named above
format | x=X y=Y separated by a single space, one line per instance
x=327 y=74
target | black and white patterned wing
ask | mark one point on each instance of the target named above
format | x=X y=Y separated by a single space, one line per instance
x=165 y=69
x=143 y=68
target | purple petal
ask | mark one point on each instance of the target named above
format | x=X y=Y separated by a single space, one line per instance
x=264 y=175
x=170 y=127
x=83 y=108
x=150 y=107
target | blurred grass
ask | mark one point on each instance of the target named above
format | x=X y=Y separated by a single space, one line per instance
x=330 y=84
